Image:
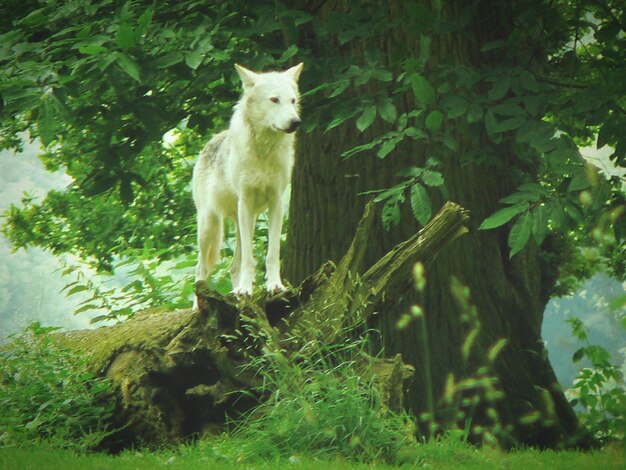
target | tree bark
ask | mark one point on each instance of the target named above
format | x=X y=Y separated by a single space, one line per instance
x=509 y=294
x=177 y=374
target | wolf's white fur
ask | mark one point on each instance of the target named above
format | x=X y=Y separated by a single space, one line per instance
x=244 y=170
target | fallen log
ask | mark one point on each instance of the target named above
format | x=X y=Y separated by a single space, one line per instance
x=179 y=373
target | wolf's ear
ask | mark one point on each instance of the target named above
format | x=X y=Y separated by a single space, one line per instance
x=248 y=77
x=295 y=71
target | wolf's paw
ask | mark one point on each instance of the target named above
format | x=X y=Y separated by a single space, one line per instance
x=242 y=292
x=275 y=288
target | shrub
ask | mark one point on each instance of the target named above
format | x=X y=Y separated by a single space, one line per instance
x=46 y=394
x=599 y=391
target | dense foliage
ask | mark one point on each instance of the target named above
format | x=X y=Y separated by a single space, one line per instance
x=598 y=390
x=47 y=396
x=100 y=83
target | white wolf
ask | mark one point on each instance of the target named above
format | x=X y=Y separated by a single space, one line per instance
x=244 y=170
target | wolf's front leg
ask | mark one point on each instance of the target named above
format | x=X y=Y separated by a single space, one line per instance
x=273 y=283
x=245 y=222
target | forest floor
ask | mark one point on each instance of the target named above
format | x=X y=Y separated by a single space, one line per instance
x=439 y=455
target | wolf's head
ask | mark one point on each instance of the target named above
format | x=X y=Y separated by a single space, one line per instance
x=272 y=99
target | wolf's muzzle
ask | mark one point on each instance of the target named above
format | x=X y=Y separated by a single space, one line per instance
x=293 y=125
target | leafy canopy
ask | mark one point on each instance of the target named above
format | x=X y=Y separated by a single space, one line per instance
x=101 y=83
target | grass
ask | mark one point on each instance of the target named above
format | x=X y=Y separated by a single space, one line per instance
x=221 y=454
x=310 y=419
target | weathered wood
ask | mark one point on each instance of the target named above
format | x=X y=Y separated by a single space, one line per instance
x=350 y=296
x=177 y=374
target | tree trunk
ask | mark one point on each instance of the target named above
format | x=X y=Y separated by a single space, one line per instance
x=177 y=374
x=509 y=294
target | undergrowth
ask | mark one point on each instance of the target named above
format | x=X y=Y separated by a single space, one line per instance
x=599 y=391
x=323 y=403
x=46 y=395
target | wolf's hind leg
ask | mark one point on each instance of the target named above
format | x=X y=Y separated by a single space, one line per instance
x=210 y=229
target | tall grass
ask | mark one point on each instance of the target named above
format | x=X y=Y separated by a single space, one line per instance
x=322 y=403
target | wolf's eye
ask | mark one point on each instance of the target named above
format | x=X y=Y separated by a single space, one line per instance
x=274 y=99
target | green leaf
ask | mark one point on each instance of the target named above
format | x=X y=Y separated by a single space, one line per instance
x=579 y=182
x=382 y=75
x=193 y=59
x=510 y=124
x=360 y=148
x=46 y=121
x=146 y=18
x=499 y=89
x=387 y=110
x=185 y=264
x=434 y=120
x=540 y=223
x=432 y=178
x=448 y=142
x=522 y=196
x=491 y=126
x=92 y=49
x=340 y=117
x=578 y=355
x=502 y=216
x=99 y=318
x=125 y=37
x=386 y=148
x=423 y=90
x=340 y=88
x=97 y=185
x=289 y=53
x=520 y=233
x=508 y=108
x=529 y=82
x=579 y=330
x=410 y=172
x=474 y=113
x=415 y=133
x=367 y=118
x=604 y=135
x=495 y=350
x=363 y=77
x=76 y=289
x=493 y=45
x=129 y=66
x=85 y=308
x=455 y=105
x=574 y=211
x=420 y=204
x=557 y=214
x=169 y=59
x=598 y=355
x=391 y=212
x=395 y=192
x=532 y=188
